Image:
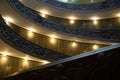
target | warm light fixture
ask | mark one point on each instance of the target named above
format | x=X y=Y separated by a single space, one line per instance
x=95 y=47
x=25 y=63
x=26 y=58
x=45 y=62
x=4 y=53
x=4 y=60
x=118 y=15
x=95 y=20
x=74 y=44
x=30 y=32
x=31 y=29
x=8 y=19
x=52 y=39
x=44 y=13
x=72 y=20
x=4 y=57
x=52 y=36
x=72 y=17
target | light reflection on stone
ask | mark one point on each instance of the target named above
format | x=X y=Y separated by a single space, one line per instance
x=11 y=65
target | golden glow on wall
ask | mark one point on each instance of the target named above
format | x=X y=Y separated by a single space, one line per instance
x=11 y=65
x=4 y=53
x=118 y=15
x=30 y=32
x=25 y=63
x=72 y=19
x=74 y=44
x=8 y=19
x=119 y=19
x=52 y=36
x=45 y=62
x=31 y=29
x=4 y=60
x=53 y=39
x=26 y=58
x=95 y=20
x=44 y=13
x=8 y=23
x=95 y=47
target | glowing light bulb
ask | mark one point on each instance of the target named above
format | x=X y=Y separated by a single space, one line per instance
x=118 y=15
x=44 y=13
x=25 y=63
x=26 y=58
x=30 y=32
x=45 y=62
x=53 y=39
x=94 y=18
x=52 y=36
x=95 y=22
x=4 y=53
x=74 y=44
x=31 y=29
x=72 y=19
x=8 y=19
x=95 y=47
x=4 y=60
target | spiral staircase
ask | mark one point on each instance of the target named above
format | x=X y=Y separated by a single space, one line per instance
x=59 y=39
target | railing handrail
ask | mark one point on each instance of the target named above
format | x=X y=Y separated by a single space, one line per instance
x=16 y=41
x=109 y=35
x=100 y=6
x=86 y=54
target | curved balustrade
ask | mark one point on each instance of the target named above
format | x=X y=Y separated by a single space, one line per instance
x=81 y=1
x=106 y=5
x=109 y=23
x=10 y=65
x=105 y=23
x=55 y=44
x=112 y=35
x=95 y=65
x=21 y=44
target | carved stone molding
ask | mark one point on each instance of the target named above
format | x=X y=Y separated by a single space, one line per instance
x=19 y=43
x=103 y=65
x=109 y=35
x=101 y=6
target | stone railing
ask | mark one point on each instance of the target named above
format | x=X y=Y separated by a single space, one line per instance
x=94 y=65
x=111 y=35
x=19 y=43
x=101 y=6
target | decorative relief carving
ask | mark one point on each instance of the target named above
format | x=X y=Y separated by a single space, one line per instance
x=16 y=41
x=112 y=35
x=103 y=65
x=101 y=6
